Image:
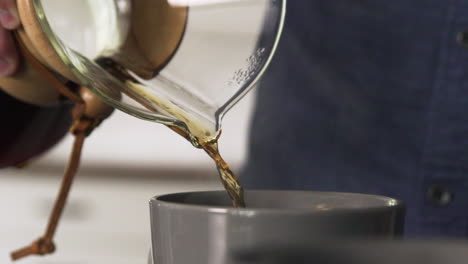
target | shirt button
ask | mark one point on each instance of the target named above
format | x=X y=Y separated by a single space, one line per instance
x=462 y=39
x=439 y=195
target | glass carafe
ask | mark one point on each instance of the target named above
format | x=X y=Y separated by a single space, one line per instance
x=182 y=63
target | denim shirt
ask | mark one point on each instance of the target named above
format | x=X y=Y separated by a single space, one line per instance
x=369 y=96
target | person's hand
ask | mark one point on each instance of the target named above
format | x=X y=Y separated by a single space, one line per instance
x=9 y=20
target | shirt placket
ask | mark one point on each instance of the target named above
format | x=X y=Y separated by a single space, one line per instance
x=444 y=193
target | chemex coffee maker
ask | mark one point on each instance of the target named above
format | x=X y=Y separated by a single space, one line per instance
x=181 y=63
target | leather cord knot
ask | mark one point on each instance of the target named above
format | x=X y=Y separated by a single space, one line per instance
x=44 y=245
x=88 y=113
x=84 y=125
x=41 y=247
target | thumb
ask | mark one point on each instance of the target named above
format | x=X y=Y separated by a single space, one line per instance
x=8 y=55
x=9 y=14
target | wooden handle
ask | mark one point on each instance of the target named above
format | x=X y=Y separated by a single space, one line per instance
x=29 y=84
x=37 y=41
x=155 y=32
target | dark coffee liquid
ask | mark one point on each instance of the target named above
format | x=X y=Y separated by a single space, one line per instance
x=229 y=180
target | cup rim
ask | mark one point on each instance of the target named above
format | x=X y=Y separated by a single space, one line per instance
x=391 y=205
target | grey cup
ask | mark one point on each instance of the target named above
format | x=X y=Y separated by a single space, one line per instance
x=202 y=227
x=373 y=251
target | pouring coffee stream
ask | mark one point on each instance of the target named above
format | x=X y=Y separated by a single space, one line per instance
x=199 y=136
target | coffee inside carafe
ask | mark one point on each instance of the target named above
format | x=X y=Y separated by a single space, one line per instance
x=141 y=55
x=180 y=63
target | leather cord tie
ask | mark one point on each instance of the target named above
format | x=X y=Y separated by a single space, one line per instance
x=88 y=113
x=81 y=128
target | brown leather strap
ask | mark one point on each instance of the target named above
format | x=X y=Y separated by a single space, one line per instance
x=81 y=128
x=45 y=245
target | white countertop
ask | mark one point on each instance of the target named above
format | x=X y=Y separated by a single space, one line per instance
x=106 y=220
